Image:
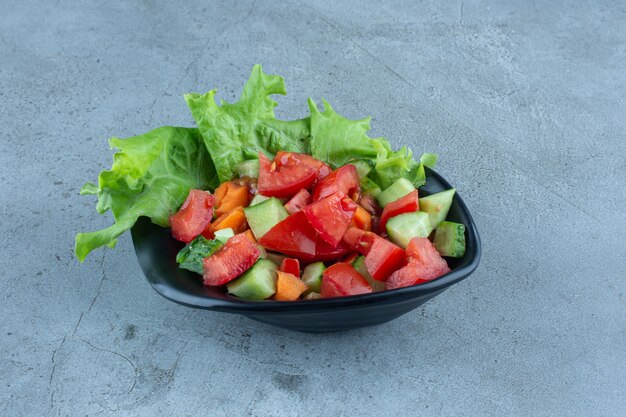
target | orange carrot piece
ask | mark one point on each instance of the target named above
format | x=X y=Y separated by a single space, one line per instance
x=235 y=219
x=362 y=219
x=248 y=233
x=288 y=287
x=230 y=195
x=220 y=192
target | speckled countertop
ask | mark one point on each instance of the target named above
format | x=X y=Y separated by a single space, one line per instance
x=524 y=103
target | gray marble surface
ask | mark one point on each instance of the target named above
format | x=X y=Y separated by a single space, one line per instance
x=524 y=102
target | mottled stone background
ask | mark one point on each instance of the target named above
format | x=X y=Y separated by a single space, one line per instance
x=524 y=102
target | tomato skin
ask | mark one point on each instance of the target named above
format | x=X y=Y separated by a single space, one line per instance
x=322 y=169
x=425 y=264
x=193 y=217
x=294 y=236
x=381 y=256
x=383 y=259
x=407 y=204
x=345 y=179
x=291 y=266
x=331 y=216
x=230 y=261
x=298 y=201
x=285 y=176
x=341 y=280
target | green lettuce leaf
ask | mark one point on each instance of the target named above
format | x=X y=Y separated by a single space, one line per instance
x=338 y=141
x=236 y=132
x=151 y=176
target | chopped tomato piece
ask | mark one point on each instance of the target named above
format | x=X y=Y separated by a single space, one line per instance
x=345 y=179
x=291 y=266
x=331 y=216
x=341 y=279
x=407 y=204
x=231 y=195
x=288 y=287
x=425 y=264
x=294 y=236
x=193 y=216
x=230 y=261
x=322 y=169
x=286 y=175
x=298 y=201
x=381 y=256
x=362 y=219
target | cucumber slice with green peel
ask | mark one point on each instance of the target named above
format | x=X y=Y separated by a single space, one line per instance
x=312 y=296
x=257 y=283
x=249 y=168
x=362 y=167
x=312 y=276
x=265 y=215
x=404 y=227
x=359 y=265
x=450 y=239
x=224 y=234
x=259 y=198
x=398 y=189
x=437 y=206
x=369 y=187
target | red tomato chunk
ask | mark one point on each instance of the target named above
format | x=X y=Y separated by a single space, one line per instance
x=298 y=201
x=407 y=204
x=425 y=264
x=341 y=279
x=345 y=179
x=231 y=260
x=291 y=266
x=381 y=256
x=331 y=216
x=295 y=237
x=286 y=175
x=193 y=216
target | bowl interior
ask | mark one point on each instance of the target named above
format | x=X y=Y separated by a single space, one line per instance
x=156 y=252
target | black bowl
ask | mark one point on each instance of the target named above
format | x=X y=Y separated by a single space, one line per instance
x=156 y=251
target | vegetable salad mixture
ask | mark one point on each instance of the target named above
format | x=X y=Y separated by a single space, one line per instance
x=300 y=209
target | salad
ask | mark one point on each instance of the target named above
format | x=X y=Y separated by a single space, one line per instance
x=274 y=209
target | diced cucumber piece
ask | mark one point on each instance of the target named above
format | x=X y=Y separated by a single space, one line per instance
x=249 y=168
x=277 y=258
x=398 y=189
x=359 y=265
x=263 y=216
x=190 y=257
x=224 y=234
x=257 y=283
x=450 y=239
x=312 y=276
x=437 y=206
x=362 y=167
x=258 y=198
x=369 y=187
x=312 y=296
x=404 y=227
